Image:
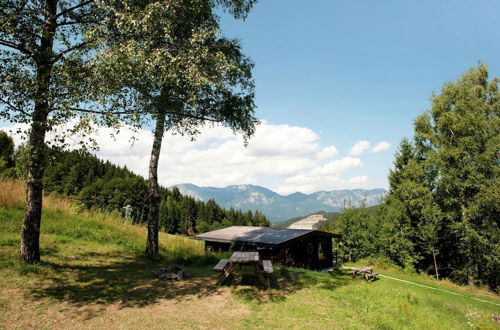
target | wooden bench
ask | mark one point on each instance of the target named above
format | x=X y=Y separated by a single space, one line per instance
x=221 y=265
x=267 y=267
x=224 y=267
x=371 y=276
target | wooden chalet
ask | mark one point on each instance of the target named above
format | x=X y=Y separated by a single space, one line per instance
x=291 y=247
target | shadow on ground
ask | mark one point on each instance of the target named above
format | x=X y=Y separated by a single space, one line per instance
x=93 y=281
x=130 y=282
x=284 y=282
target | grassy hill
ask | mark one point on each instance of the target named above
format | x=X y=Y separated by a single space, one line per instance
x=93 y=275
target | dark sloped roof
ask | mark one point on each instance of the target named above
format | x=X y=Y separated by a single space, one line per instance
x=255 y=235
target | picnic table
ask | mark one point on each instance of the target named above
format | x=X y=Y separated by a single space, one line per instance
x=366 y=272
x=262 y=268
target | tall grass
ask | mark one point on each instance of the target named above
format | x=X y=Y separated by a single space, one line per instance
x=13 y=195
x=64 y=222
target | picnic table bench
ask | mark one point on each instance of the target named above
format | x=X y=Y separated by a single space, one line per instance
x=371 y=276
x=366 y=272
x=221 y=265
x=261 y=268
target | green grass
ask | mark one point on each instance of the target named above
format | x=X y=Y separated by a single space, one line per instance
x=94 y=274
x=340 y=302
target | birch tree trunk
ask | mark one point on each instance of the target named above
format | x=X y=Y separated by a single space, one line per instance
x=154 y=191
x=30 y=237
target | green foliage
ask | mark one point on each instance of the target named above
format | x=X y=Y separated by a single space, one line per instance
x=46 y=54
x=176 y=67
x=6 y=151
x=460 y=137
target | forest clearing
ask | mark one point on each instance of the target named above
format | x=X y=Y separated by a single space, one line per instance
x=95 y=275
x=363 y=193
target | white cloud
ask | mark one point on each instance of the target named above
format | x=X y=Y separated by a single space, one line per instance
x=358 y=179
x=328 y=152
x=281 y=157
x=359 y=147
x=381 y=146
x=321 y=177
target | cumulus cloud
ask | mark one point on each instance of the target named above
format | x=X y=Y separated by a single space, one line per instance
x=284 y=158
x=381 y=146
x=359 y=147
x=358 y=179
x=321 y=177
x=328 y=152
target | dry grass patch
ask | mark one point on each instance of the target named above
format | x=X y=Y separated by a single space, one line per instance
x=203 y=307
x=12 y=193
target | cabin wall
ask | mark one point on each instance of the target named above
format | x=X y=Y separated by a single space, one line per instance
x=311 y=252
x=217 y=247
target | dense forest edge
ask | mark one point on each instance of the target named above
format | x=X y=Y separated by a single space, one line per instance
x=97 y=184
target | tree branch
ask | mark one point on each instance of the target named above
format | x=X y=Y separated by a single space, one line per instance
x=16 y=47
x=101 y=112
x=10 y=105
x=70 y=9
x=69 y=50
x=66 y=23
x=183 y=115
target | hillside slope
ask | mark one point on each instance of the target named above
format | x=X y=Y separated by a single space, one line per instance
x=94 y=275
x=309 y=222
x=278 y=207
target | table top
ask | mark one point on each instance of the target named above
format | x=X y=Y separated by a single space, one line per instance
x=364 y=269
x=239 y=257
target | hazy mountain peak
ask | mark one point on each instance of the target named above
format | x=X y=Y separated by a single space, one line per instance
x=279 y=207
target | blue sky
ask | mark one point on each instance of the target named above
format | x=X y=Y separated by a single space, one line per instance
x=362 y=70
x=329 y=75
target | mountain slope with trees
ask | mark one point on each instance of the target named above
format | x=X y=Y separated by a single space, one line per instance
x=98 y=184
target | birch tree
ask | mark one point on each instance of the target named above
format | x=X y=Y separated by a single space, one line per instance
x=183 y=74
x=45 y=49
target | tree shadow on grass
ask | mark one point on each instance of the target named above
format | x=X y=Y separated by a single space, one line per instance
x=286 y=281
x=129 y=282
x=92 y=281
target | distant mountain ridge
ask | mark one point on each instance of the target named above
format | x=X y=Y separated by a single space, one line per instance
x=278 y=207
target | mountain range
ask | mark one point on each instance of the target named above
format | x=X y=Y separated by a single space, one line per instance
x=278 y=207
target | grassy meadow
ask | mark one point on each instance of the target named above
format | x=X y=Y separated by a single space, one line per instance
x=94 y=275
